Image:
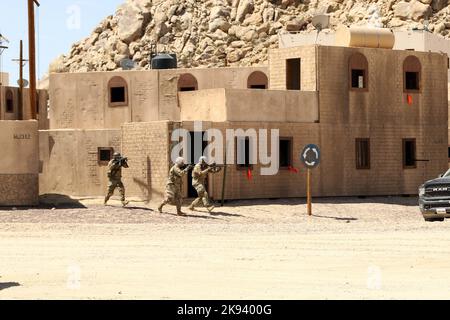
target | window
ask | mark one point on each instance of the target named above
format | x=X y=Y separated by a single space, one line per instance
x=104 y=155
x=293 y=72
x=243 y=152
x=285 y=152
x=187 y=82
x=412 y=80
x=358 y=78
x=409 y=154
x=411 y=74
x=358 y=71
x=37 y=103
x=362 y=153
x=257 y=80
x=9 y=101
x=118 y=92
x=449 y=153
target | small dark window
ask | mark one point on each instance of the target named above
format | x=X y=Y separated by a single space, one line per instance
x=285 y=152
x=117 y=94
x=362 y=153
x=449 y=152
x=185 y=89
x=409 y=153
x=105 y=155
x=243 y=152
x=37 y=103
x=411 y=74
x=293 y=79
x=258 y=86
x=412 y=80
x=257 y=80
x=358 y=80
x=9 y=102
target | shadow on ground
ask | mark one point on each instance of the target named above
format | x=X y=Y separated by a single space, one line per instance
x=335 y=218
x=395 y=200
x=59 y=201
x=7 y=285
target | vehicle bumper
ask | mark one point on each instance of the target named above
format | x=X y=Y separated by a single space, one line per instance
x=436 y=208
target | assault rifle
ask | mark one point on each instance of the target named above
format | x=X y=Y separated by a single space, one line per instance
x=122 y=161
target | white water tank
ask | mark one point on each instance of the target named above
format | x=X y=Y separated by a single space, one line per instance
x=365 y=37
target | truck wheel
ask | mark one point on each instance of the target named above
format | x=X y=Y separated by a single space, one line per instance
x=434 y=219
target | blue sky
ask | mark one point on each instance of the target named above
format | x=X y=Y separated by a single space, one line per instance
x=60 y=23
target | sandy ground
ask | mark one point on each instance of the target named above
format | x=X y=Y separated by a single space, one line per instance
x=373 y=248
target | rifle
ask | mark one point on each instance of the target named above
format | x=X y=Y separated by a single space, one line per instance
x=122 y=162
x=216 y=167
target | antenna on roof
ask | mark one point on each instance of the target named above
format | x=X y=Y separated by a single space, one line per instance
x=320 y=22
x=128 y=64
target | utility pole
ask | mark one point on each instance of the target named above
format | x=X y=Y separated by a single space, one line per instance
x=21 y=62
x=32 y=56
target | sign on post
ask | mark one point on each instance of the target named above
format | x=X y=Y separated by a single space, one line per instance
x=310 y=157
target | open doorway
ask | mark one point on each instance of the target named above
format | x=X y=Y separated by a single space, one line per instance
x=194 y=157
x=293 y=71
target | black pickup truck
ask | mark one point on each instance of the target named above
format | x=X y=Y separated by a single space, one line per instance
x=434 y=198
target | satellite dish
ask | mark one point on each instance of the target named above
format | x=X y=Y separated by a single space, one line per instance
x=24 y=83
x=128 y=64
x=321 y=21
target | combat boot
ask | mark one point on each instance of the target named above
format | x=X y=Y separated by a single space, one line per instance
x=160 y=207
x=105 y=202
x=210 y=208
x=191 y=207
x=125 y=203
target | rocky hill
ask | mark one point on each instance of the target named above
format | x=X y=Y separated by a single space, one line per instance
x=230 y=32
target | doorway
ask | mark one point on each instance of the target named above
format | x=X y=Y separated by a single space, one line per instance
x=293 y=71
x=193 y=158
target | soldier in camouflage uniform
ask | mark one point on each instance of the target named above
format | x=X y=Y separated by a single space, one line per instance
x=115 y=177
x=199 y=175
x=173 y=194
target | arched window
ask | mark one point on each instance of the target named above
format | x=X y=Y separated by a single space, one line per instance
x=117 y=92
x=358 y=72
x=187 y=82
x=411 y=74
x=257 y=80
x=9 y=97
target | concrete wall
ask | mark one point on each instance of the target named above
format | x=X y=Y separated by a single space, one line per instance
x=337 y=174
x=277 y=67
x=249 y=105
x=42 y=116
x=147 y=145
x=80 y=100
x=20 y=163
x=4 y=79
x=69 y=161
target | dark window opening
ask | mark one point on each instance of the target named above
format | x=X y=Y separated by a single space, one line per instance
x=358 y=79
x=362 y=154
x=285 y=152
x=258 y=86
x=293 y=74
x=412 y=80
x=9 y=105
x=9 y=101
x=193 y=156
x=105 y=155
x=243 y=152
x=409 y=153
x=118 y=94
x=449 y=152
x=37 y=103
x=185 y=89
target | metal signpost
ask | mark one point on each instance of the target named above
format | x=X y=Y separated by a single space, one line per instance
x=310 y=157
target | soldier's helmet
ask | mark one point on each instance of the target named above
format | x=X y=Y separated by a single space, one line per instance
x=116 y=155
x=179 y=161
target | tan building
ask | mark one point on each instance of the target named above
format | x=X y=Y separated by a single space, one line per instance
x=19 y=172
x=375 y=113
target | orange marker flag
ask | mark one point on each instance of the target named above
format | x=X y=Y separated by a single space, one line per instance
x=409 y=99
x=249 y=174
x=292 y=169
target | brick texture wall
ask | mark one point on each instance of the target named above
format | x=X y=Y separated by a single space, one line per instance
x=147 y=147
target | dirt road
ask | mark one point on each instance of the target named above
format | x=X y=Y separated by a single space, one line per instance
x=351 y=248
